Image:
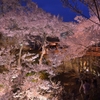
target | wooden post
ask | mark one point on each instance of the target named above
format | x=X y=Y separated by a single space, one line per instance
x=19 y=59
x=43 y=49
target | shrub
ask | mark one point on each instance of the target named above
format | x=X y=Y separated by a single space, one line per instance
x=43 y=75
x=3 y=69
x=30 y=73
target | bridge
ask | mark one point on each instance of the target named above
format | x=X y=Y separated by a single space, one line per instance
x=93 y=51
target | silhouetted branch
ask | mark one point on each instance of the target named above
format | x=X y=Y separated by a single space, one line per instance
x=73 y=4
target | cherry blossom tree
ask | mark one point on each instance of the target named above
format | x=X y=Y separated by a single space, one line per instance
x=36 y=42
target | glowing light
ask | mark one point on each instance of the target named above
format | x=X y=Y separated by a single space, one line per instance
x=87 y=70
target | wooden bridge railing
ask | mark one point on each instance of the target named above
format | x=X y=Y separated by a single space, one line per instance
x=93 y=51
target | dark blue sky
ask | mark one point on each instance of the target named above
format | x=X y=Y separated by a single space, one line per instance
x=55 y=7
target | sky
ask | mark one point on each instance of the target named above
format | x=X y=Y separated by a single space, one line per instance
x=55 y=7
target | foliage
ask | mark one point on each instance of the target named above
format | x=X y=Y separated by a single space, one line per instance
x=29 y=28
x=3 y=69
x=43 y=75
x=1 y=86
x=34 y=80
x=30 y=74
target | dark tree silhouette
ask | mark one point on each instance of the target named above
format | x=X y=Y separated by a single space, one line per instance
x=93 y=6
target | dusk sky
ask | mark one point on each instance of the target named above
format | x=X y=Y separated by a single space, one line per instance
x=55 y=7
